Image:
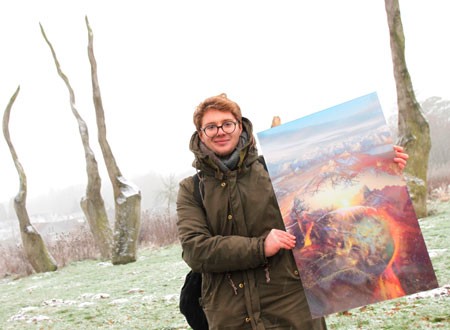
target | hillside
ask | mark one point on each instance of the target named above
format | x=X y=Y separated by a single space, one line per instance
x=144 y=294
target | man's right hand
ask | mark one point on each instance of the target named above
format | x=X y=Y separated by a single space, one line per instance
x=276 y=240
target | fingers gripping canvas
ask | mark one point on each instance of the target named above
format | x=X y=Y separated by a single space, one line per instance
x=343 y=197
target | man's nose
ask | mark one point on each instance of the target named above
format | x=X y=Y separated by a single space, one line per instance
x=220 y=130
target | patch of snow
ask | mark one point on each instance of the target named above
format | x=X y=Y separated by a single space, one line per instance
x=38 y=318
x=18 y=317
x=436 y=252
x=30 y=229
x=119 y=301
x=101 y=296
x=135 y=290
x=104 y=264
x=58 y=302
x=86 y=304
x=32 y=288
x=172 y=297
x=21 y=316
x=128 y=189
x=28 y=309
x=427 y=226
x=149 y=298
x=86 y=296
x=441 y=292
x=131 y=190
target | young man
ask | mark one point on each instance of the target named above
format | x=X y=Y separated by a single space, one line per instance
x=236 y=236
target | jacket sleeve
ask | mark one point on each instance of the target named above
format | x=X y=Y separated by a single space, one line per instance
x=204 y=252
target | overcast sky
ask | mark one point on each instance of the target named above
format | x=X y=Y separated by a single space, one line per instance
x=158 y=59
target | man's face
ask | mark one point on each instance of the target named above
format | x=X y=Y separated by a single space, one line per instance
x=222 y=144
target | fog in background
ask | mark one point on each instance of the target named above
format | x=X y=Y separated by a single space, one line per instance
x=158 y=60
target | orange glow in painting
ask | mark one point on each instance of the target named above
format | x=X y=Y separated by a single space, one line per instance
x=351 y=256
x=389 y=286
x=308 y=235
x=343 y=197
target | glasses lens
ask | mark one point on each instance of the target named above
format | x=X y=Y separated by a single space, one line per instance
x=229 y=127
x=210 y=130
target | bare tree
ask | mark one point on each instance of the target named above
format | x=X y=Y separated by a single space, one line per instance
x=34 y=246
x=413 y=128
x=169 y=191
x=127 y=197
x=92 y=204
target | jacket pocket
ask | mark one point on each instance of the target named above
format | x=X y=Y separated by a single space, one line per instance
x=223 y=300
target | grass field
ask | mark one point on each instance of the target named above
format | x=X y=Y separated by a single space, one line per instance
x=144 y=294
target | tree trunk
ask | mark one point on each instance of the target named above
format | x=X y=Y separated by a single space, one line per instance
x=92 y=204
x=127 y=197
x=413 y=128
x=34 y=246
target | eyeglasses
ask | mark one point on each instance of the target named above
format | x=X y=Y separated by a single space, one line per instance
x=227 y=127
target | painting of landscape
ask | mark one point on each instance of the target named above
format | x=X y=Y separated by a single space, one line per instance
x=343 y=197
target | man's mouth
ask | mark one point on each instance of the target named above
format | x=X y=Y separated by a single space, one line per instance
x=221 y=141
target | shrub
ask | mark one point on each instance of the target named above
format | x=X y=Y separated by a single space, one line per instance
x=157 y=229
x=14 y=261
x=438 y=176
x=75 y=245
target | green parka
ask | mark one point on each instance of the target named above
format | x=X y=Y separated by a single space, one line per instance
x=241 y=288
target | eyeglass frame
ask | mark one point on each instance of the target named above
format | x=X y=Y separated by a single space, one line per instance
x=221 y=127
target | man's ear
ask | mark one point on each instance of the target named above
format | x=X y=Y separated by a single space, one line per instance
x=276 y=121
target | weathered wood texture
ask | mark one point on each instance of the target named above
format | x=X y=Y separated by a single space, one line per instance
x=34 y=246
x=92 y=203
x=413 y=128
x=127 y=197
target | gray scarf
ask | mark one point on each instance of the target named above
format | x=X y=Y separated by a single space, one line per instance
x=229 y=162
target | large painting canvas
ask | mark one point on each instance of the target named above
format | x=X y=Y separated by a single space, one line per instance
x=341 y=194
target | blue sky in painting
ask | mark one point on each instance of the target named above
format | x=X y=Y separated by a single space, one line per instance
x=338 y=112
x=322 y=130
